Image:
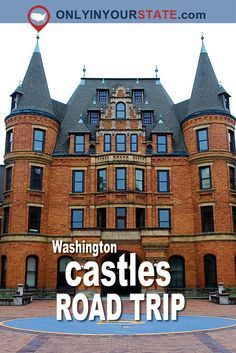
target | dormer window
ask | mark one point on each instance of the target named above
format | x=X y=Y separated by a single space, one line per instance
x=14 y=101
x=102 y=96
x=94 y=117
x=138 y=96
x=120 y=110
x=147 y=117
x=162 y=146
x=226 y=101
x=79 y=144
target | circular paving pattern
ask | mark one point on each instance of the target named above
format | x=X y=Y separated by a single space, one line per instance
x=125 y=326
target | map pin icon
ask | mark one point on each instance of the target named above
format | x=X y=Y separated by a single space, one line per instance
x=38 y=17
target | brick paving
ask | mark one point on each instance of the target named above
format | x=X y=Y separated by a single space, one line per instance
x=218 y=341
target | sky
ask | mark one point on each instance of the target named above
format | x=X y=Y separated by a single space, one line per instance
x=115 y=50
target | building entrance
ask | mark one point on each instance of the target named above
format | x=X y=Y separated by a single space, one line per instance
x=117 y=288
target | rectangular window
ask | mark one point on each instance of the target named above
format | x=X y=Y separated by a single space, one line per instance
x=231 y=137
x=120 y=217
x=94 y=118
x=120 y=179
x=137 y=96
x=102 y=179
x=120 y=143
x=79 y=144
x=207 y=215
x=134 y=143
x=34 y=219
x=205 y=177
x=102 y=96
x=9 y=140
x=6 y=217
x=147 y=118
x=139 y=180
x=36 y=178
x=77 y=219
x=162 y=144
x=234 y=218
x=202 y=140
x=101 y=218
x=39 y=140
x=78 y=181
x=163 y=181
x=8 y=181
x=164 y=220
x=232 y=178
x=107 y=143
x=140 y=217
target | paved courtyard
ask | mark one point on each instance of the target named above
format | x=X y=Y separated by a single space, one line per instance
x=15 y=341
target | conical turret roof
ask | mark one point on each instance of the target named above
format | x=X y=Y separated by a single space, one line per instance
x=34 y=88
x=205 y=88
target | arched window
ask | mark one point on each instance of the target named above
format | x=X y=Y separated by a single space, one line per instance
x=3 y=271
x=210 y=271
x=31 y=273
x=120 y=110
x=177 y=272
x=61 y=271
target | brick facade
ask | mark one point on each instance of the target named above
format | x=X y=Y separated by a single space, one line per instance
x=182 y=237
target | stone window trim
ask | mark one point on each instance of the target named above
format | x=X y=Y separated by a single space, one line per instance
x=204 y=164
x=10 y=128
x=229 y=127
x=77 y=207
x=31 y=204
x=37 y=165
x=206 y=204
x=200 y=127
x=7 y=205
x=163 y=168
x=40 y=127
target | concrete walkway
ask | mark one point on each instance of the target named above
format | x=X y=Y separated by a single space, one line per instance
x=15 y=341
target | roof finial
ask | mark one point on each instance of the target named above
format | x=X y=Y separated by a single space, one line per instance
x=36 y=49
x=156 y=71
x=137 y=81
x=84 y=71
x=203 y=49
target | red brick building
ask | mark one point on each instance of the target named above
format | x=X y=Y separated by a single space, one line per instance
x=120 y=162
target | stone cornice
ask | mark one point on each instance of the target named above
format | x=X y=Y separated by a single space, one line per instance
x=211 y=155
x=179 y=238
x=28 y=155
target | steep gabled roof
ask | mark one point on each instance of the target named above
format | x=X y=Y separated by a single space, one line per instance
x=79 y=127
x=161 y=126
x=34 y=89
x=82 y=100
x=205 y=90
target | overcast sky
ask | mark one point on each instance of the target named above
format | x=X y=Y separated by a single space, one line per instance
x=115 y=50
